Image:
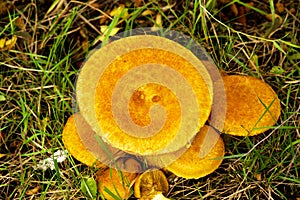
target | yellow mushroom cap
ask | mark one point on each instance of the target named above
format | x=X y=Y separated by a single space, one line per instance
x=86 y=150
x=192 y=164
x=151 y=183
x=252 y=106
x=74 y=144
x=152 y=116
x=116 y=180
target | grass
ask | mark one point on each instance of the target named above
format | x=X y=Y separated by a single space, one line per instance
x=37 y=82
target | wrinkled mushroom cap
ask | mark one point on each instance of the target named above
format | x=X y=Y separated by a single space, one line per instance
x=252 y=106
x=191 y=164
x=144 y=52
x=116 y=180
x=151 y=183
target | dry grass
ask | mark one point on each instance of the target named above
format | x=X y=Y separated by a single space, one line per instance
x=37 y=80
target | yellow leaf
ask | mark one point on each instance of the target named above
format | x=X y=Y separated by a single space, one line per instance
x=33 y=191
x=147 y=12
x=8 y=44
x=120 y=11
x=276 y=17
x=2 y=155
x=105 y=31
x=2 y=43
x=158 y=22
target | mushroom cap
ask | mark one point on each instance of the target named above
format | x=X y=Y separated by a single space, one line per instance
x=74 y=144
x=192 y=164
x=247 y=100
x=119 y=100
x=151 y=183
x=79 y=140
x=117 y=181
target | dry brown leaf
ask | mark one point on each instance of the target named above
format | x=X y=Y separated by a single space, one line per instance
x=277 y=18
x=103 y=19
x=168 y=7
x=279 y=7
x=242 y=17
x=247 y=9
x=147 y=12
x=96 y=5
x=33 y=191
x=293 y=10
x=5 y=6
x=137 y=3
x=257 y=177
x=19 y=22
x=224 y=1
x=234 y=9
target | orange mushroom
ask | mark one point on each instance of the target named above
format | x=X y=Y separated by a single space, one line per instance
x=87 y=150
x=252 y=106
x=151 y=185
x=133 y=72
x=192 y=164
x=116 y=182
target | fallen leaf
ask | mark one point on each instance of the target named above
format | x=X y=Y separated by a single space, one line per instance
x=8 y=44
x=247 y=9
x=224 y=1
x=137 y=3
x=95 y=5
x=279 y=7
x=234 y=9
x=2 y=155
x=103 y=19
x=33 y=191
x=147 y=12
x=242 y=17
x=257 y=177
x=106 y=33
x=293 y=10
x=168 y=7
x=19 y=22
x=120 y=11
x=158 y=22
x=277 y=18
x=5 y=6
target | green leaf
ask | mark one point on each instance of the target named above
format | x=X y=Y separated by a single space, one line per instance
x=277 y=70
x=89 y=187
x=278 y=47
x=2 y=98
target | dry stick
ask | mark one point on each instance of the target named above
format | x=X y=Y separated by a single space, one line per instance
x=245 y=154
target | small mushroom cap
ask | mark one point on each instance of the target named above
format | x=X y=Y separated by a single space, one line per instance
x=96 y=93
x=118 y=182
x=191 y=164
x=246 y=106
x=151 y=183
x=79 y=140
x=74 y=144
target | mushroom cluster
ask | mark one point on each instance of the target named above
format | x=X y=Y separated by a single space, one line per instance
x=131 y=147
